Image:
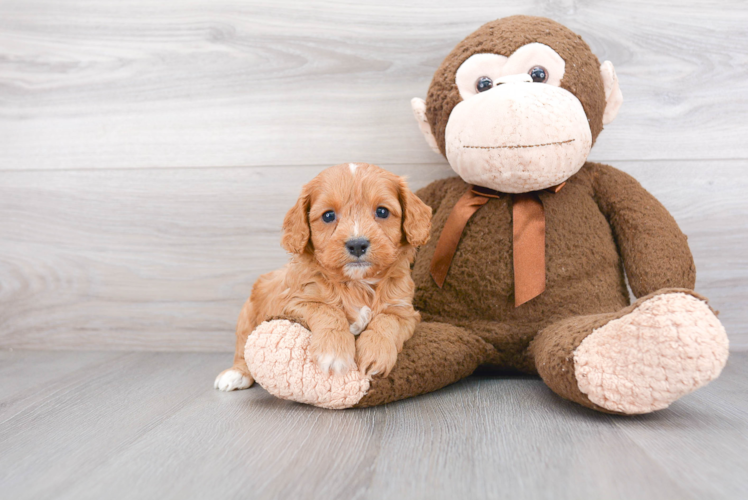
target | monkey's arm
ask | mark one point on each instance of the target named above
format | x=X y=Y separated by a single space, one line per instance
x=654 y=250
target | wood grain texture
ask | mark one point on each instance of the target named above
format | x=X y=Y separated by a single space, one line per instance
x=234 y=83
x=148 y=151
x=163 y=259
x=149 y=425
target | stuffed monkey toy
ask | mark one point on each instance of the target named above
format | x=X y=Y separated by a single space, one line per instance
x=531 y=246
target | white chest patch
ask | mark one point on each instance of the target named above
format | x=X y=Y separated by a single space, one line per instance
x=364 y=316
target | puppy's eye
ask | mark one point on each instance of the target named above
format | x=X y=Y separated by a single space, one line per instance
x=484 y=83
x=538 y=74
x=382 y=212
x=328 y=216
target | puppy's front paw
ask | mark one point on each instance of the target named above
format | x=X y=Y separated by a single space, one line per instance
x=233 y=379
x=333 y=350
x=375 y=355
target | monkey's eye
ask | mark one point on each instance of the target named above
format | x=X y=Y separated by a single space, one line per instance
x=538 y=74
x=382 y=212
x=328 y=216
x=484 y=83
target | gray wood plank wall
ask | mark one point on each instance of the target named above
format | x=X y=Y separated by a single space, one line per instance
x=149 y=150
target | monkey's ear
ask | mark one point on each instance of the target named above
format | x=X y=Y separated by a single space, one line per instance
x=419 y=111
x=613 y=96
x=296 y=230
x=416 y=216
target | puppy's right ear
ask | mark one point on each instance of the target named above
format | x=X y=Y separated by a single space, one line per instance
x=296 y=229
x=416 y=216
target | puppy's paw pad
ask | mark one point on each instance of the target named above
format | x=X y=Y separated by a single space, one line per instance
x=231 y=380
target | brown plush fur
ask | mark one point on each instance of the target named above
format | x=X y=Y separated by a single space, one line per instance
x=319 y=288
x=599 y=211
x=599 y=223
x=601 y=227
x=503 y=37
x=437 y=355
x=553 y=348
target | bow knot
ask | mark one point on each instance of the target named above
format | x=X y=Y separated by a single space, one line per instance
x=528 y=233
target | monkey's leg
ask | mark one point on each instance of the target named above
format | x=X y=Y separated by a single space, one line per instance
x=637 y=360
x=435 y=356
x=438 y=354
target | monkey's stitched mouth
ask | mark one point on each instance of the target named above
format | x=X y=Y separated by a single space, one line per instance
x=519 y=146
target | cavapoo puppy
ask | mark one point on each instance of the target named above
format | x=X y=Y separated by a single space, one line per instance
x=352 y=234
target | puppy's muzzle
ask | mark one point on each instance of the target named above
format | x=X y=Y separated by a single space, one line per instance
x=357 y=246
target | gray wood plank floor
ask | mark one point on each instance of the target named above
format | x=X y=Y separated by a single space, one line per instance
x=149 y=425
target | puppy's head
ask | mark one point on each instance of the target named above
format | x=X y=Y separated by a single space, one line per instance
x=356 y=220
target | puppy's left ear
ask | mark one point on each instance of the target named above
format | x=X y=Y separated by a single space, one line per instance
x=416 y=216
x=296 y=230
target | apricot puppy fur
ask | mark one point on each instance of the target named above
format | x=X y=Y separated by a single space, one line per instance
x=353 y=234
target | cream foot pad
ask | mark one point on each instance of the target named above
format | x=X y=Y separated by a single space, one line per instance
x=667 y=347
x=276 y=354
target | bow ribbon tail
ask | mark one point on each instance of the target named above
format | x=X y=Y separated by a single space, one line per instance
x=528 y=247
x=466 y=206
x=528 y=232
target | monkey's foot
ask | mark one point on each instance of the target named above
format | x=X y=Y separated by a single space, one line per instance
x=667 y=347
x=277 y=354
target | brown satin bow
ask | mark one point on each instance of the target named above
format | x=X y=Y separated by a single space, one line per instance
x=528 y=239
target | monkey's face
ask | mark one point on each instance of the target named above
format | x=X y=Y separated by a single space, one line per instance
x=516 y=130
x=519 y=121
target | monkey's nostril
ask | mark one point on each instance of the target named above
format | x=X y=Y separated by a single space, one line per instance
x=357 y=247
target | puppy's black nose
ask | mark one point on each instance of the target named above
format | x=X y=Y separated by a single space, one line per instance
x=357 y=246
